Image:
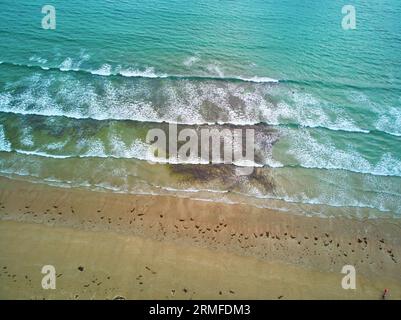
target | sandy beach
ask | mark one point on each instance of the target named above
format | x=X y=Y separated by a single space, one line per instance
x=105 y=245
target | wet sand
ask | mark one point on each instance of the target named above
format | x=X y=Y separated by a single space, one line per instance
x=105 y=245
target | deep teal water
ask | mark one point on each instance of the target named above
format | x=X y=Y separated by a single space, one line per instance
x=112 y=68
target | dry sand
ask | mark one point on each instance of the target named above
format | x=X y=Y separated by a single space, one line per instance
x=174 y=248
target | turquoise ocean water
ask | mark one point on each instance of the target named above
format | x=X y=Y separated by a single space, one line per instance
x=76 y=102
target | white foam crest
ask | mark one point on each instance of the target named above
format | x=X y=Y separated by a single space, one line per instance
x=187 y=103
x=184 y=101
x=5 y=145
x=42 y=154
x=339 y=201
x=388 y=165
x=258 y=79
x=324 y=155
x=66 y=65
x=5 y=100
x=104 y=70
x=137 y=149
x=147 y=73
x=56 y=145
x=390 y=121
x=27 y=138
x=306 y=110
x=388 y=117
x=38 y=59
x=191 y=190
x=69 y=64
x=91 y=147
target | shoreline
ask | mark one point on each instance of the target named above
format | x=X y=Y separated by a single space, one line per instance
x=265 y=246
